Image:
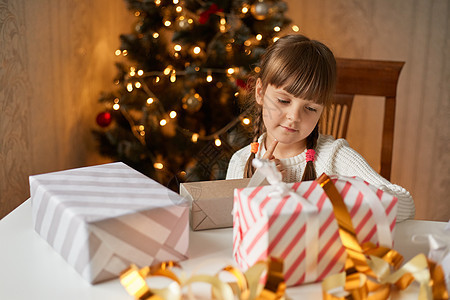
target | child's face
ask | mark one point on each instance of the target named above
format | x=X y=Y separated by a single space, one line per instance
x=288 y=119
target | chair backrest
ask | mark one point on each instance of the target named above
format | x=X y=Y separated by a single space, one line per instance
x=368 y=78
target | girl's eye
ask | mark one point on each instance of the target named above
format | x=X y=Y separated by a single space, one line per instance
x=311 y=109
x=283 y=101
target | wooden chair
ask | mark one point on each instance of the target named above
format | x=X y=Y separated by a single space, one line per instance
x=368 y=78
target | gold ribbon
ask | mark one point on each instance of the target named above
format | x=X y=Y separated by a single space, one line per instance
x=368 y=268
x=247 y=286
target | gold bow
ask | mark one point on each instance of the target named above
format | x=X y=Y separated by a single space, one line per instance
x=247 y=286
x=368 y=268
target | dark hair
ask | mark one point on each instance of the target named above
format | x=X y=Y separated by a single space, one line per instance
x=305 y=69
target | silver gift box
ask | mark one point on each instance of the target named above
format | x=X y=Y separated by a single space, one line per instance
x=103 y=218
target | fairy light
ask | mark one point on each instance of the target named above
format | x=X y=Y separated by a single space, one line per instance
x=137 y=13
x=178 y=9
x=116 y=106
x=244 y=10
x=295 y=28
x=177 y=47
x=209 y=78
x=197 y=50
x=155 y=35
x=116 y=100
x=236 y=94
x=167 y=23
x=197 y=69
x=248 y=43
x=217 y=142
x=124 y=52
x=257 y=69
x=194 y=137
x=275 y=39
x=142 y=133
x=137 y=85
x=230 y=71
x=222 y=25
x=157 y=2
x=259 y=36
x=118 y=52
x=246 y=121
x=183 y=173
x=190 y=21
x=157 y=79
x=173 y=114
x=176 y=1
x=163 y=122
x=140 y=72
x=276 y=28
x=150 y=100
x=158 y=165
x=173 y=76
x=167 y=70
x=130 y=87
x=141 y=127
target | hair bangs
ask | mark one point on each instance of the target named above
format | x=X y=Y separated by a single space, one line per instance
x=308 y=78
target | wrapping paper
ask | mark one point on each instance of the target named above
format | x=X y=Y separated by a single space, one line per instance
x=102 y=218
x=211 y=202
x=296 y=223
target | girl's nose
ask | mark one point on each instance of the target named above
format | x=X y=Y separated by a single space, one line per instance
x=293 y=115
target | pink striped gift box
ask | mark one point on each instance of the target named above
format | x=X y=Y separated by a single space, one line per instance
x=101 y=219
x=300 y=226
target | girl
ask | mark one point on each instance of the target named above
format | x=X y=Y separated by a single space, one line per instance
x=294 y=86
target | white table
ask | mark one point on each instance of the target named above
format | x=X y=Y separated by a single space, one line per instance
x=31 y=269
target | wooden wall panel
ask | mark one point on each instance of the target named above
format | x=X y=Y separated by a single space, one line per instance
x=417 y=32
x=55 y=58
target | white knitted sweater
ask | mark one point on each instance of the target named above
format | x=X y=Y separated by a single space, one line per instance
x=333 y=157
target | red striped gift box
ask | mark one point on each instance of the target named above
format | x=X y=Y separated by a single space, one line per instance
x=101 y=219
x=300 y=227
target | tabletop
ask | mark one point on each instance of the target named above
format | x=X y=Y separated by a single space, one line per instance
x=30 y=268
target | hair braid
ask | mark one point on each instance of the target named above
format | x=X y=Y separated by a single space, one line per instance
x=257 y=131
x=311 y=143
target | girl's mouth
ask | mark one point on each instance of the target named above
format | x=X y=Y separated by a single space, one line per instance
x=288 y=129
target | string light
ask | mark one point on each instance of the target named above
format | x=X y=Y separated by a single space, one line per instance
x=140 y=72
x=116 y=100
x=230 y=71
x=173 y=76
x=246 y=121
x=195 y=137
x=124 y=52
x=209 y=78
x=236 y=94
x=167 y=23
x=163 y=122
x=137 y=14
x=150 y=100
x=158 y=166
x=155 y=35
x=197 y=50
x=137 y=84
x=217 y=142
x=244 y=10
x=142 y=133
x=130 y=87
x=173 y=114
x=141 y=127
x=167 y=70
x=179 y=9
x=275 y=39
x=157 y=2
x=257 y=69
x=177 y=47
x=259 y=36
x=175 y=1
x=190 y=21
x=276 y=28
x=132 y=71
x=118 y=52
x=248 y=43
x=116 y=106
x=295 y=28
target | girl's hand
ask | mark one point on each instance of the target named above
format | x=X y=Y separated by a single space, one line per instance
x=269 y=155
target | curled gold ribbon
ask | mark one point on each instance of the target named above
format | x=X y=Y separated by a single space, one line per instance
x=248 y=283
x=367 y=272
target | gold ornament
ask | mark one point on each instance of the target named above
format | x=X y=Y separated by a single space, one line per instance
x=192 y=102
x=260 y=10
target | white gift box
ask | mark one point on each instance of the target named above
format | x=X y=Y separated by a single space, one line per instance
x=103 y=218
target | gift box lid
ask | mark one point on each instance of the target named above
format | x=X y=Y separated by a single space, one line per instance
x=104 y=191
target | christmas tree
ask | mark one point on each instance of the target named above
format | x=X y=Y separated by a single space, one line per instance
x=175 y=114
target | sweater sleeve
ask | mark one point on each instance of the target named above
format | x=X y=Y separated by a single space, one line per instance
x=236 y=165
x=346 y=161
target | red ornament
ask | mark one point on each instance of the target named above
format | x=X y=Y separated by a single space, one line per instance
x=204 y=16
x=104 y=119
x=241 y=83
